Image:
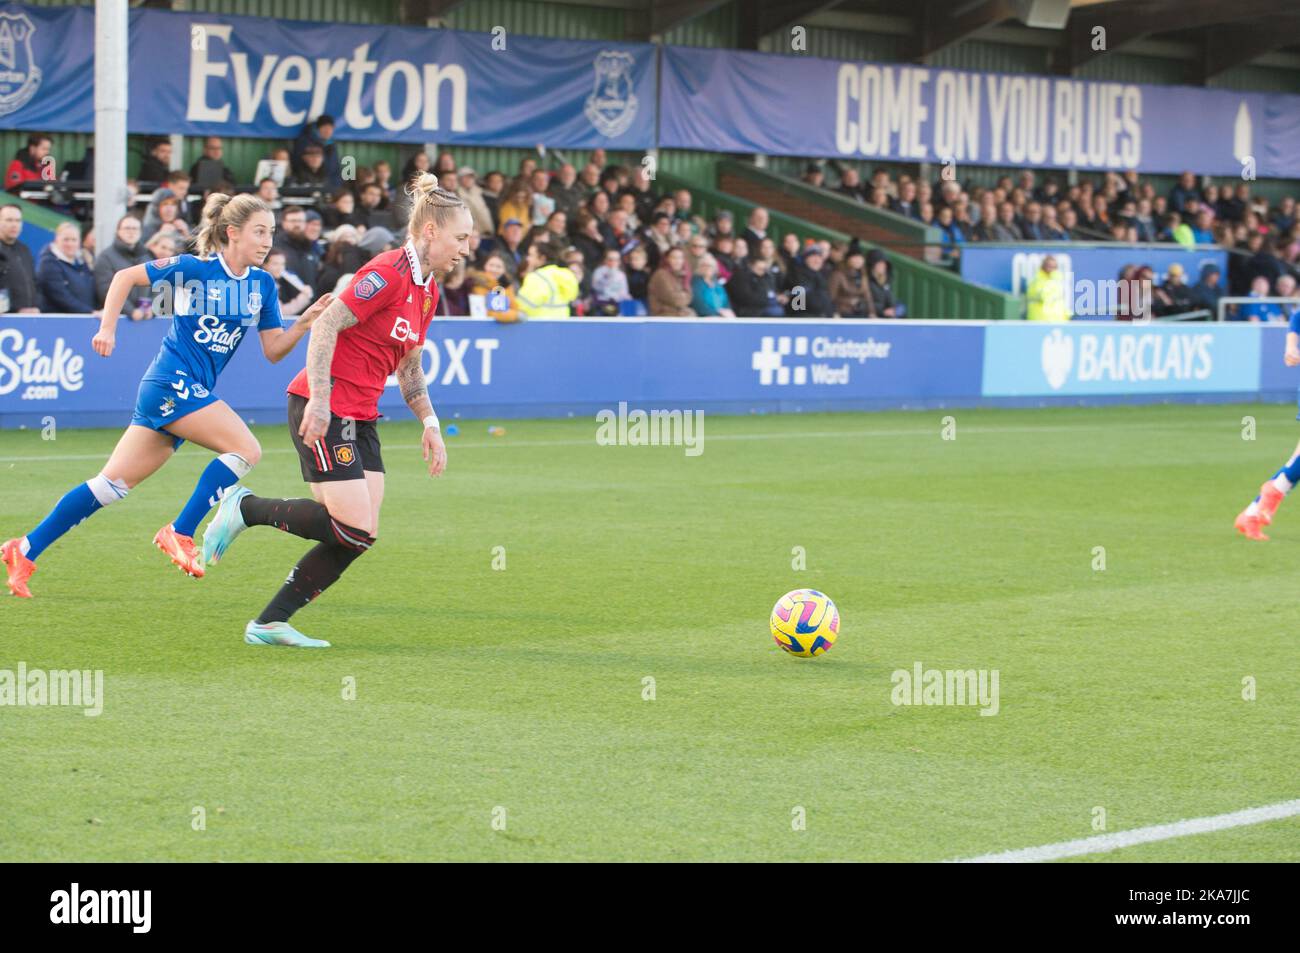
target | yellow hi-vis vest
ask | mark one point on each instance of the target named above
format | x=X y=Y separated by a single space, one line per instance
x=546 y=292
x=1046 y=297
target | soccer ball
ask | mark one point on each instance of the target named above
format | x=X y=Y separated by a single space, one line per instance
x=805 y=623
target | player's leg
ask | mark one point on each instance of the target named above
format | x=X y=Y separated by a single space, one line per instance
x=1260 y=512
x=339 y=517
x=375 y=484
x=336 y=458
x=221 y=430
x=1274 y=490
x=321 y=567
x=140 y=452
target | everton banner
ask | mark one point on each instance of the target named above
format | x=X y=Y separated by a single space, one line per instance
x=47 y=59
x=247 y=76
x=796 y=105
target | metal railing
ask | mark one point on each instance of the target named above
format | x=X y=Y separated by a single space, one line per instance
x=1226 y=301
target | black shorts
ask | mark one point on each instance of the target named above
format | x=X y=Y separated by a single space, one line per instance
x=337 y=455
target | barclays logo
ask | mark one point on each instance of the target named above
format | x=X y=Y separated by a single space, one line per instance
x=1058 y=358
x=1132 y=358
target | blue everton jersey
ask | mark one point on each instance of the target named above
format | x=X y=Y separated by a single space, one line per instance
x=213 y=311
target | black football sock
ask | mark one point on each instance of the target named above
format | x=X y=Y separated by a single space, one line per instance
x=305 y=518
x=315 y=573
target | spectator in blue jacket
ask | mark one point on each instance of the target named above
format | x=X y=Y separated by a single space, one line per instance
x=64 y=282
x=1202 y=228
x=1207 y=292
x=708 y=295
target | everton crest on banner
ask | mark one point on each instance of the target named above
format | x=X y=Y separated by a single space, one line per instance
x=43 y=77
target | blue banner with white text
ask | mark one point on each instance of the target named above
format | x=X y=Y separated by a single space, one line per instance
x=480 y=369
x=211 y=74
x=1031 y=359
x=740 y=101
x=204 y=73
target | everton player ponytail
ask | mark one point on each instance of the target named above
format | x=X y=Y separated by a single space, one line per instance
x=220 y=212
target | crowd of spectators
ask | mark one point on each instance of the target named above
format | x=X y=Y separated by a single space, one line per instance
x=599 y=239
x=1264 y=237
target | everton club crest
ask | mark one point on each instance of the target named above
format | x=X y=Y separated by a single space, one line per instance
x=612 y=105
x=20 y=77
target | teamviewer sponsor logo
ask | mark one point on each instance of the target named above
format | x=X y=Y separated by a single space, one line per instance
x=402 y=331
x=811 y=358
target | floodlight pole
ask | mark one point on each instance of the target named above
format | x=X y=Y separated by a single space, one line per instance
x=110 y=119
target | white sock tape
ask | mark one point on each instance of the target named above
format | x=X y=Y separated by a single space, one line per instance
x=237 y=464
x=107 y=491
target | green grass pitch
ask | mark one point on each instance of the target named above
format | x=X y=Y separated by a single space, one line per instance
x=485 y=696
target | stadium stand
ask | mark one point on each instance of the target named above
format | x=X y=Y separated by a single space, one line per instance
x=919 y=216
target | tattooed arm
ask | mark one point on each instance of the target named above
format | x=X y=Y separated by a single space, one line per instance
x=410 y=378
x=320 y=356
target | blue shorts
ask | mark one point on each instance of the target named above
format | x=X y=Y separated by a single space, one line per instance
x=162 y=400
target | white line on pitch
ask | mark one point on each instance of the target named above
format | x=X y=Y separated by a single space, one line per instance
x=791 y=435
x=1103 y=843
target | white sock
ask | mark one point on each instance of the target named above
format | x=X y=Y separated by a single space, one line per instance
x=1253 y=509
x=1282 y=483
x=24 y=547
